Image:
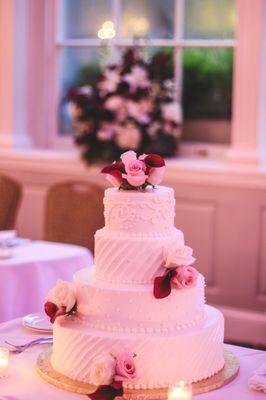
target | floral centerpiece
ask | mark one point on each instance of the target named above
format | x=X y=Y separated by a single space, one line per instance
x=131 y=107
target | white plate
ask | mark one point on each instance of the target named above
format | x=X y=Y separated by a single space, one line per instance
x=38 y=322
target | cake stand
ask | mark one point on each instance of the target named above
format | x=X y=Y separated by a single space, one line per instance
x=226 y=375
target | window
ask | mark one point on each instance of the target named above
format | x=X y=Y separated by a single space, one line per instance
x=199 y=33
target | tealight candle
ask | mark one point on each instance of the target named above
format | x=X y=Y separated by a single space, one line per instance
x=180 y=391
x=4 y=358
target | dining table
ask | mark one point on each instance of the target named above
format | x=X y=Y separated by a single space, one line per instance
x=31 y=270
x=24 y=383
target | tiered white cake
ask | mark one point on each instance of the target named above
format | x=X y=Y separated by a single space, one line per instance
x=176 y=337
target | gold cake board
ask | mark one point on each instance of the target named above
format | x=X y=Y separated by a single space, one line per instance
x=226 y=375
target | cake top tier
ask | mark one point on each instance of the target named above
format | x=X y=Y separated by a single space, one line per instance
x=147 y=211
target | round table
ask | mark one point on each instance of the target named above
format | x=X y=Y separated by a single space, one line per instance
x=33 y=269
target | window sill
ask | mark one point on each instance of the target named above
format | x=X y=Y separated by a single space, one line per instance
x=197 y=170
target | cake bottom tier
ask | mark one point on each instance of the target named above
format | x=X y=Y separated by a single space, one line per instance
x=191 y=355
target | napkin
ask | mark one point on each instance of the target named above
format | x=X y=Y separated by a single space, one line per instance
x=258 y=380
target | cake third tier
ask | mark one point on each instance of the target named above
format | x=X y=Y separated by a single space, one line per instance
x=139 y=227
x=133 y=308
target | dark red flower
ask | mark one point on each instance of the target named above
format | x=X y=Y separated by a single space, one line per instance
x=116 y=166
x=162 y=284
x=108 y=392
x=53 y=311
x=154 y=161
x=114 y=173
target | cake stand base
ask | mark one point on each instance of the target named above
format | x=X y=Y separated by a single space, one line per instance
x=226 y=375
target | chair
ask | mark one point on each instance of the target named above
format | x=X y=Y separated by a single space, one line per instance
x=74 y=211
x=10 y=198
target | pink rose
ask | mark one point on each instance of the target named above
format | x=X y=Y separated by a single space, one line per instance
x=185 y=277
x=156 y=175
x=135 y=173
x=125 y=369
x=128 y=156
x=133 y=167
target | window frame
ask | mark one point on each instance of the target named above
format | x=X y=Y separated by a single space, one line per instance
x=24 y=121
x=59 y=141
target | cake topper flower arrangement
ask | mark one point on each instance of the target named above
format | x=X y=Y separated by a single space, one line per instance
x=61 y=300
x=135 y=173
x=132 y=106
x=179 y=273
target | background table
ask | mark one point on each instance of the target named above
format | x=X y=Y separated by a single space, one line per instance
x=26 y=277
x=23 y=381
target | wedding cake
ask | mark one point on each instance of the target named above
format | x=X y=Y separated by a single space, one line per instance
x=138 y=319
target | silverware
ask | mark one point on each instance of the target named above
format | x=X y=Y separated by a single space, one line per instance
x=22 y=347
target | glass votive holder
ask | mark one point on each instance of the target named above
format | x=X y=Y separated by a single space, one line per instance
x=180 y=391
x=4 y=360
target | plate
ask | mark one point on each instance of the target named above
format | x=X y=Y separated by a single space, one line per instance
x=37 y=322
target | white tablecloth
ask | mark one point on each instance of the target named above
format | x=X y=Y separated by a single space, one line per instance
x=23 y=382
x=26 y=277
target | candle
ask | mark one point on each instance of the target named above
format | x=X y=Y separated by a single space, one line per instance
x=4 y=357
x=180 y=391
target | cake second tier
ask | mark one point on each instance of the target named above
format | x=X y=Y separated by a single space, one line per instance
x=133 y=308
x=132 y=258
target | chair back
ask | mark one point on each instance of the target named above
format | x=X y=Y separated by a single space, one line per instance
x=74 y=211
x=10 y=198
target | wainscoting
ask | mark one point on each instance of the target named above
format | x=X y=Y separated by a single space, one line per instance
x=221 y=210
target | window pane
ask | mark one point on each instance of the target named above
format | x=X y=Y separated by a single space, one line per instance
x=147 y=18
x=209 y=19
x=83 y=18
x=78 y=66
x=207 y=91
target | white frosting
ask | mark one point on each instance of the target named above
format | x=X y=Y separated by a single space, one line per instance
x=132 y=211
x=132 y=258
x=162 y=359
x=133 y=308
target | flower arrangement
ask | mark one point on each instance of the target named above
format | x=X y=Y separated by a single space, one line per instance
x=179 y=273
x=132 y=173
x=109 y=373
x=131 y=107
x=61 y=300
